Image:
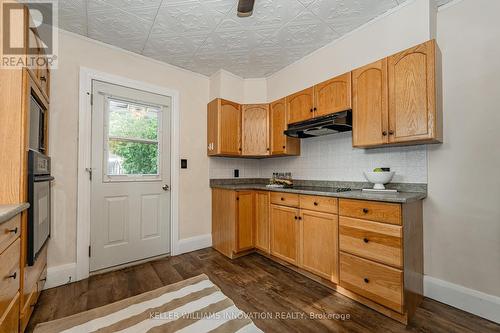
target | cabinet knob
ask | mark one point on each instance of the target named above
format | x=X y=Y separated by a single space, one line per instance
x=43 y=280
x=284 y=147
x=315 y=203
x=267 y=149
x=282 y=199
x=43 y=78
x=365 y=240
x=311 y=110
x=315 y=109
x=366 y=280
x=239 y=149
x=14 y=231
x=300 y=217
x=384 y=133
x=391 y=132
x=365 y=210
x=12 y=276
x=295 y=217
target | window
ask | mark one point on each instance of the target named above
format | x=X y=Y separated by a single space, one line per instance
x=132 y=140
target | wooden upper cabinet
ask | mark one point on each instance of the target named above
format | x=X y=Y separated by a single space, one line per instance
x=245 y=220
x=224 y=128
x=300 y=105
x=255 y=130
x=370 y=105
x=285 y=233
x=333 y=95
x=414 y=114
x=280 y=143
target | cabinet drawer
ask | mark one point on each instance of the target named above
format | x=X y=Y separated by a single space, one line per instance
x=319 y=204
x=32 y=275
x=285 y=199
x=372 y=240
x=371 y=210
x=10 y=322
x=380 y=283
x=9 y=275
x=9 y=231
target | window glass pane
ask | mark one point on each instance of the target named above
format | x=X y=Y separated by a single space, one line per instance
x=132 y=158
x=128 y=120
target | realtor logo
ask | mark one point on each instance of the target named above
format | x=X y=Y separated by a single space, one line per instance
x=29 y=36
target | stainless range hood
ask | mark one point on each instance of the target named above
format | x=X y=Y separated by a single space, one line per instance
x=333 y=123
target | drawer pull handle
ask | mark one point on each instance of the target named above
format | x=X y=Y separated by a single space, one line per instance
x=14 y=231
x=365 y=210
x=43 y=78
x=12 y=276
x=365 y=240
x=315 y=203
x=366 y=280
x=296 y=217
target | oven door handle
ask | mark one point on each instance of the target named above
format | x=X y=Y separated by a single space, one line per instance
x=38 y=179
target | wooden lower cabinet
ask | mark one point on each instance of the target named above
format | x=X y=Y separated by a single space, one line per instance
x=319 y=244
x=262 y=232
x=285 y=233
x=369 y=251
x=9 y=323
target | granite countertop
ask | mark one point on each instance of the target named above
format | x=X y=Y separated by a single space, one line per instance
x=9 y=211
x=398 y=197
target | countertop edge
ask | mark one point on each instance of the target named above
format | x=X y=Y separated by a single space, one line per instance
x=9 y=211
x=400 y=197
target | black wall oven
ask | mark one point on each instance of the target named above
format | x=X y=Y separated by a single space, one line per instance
x=39 y=197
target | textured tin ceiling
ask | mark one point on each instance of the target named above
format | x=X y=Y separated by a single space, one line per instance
x=206 y=35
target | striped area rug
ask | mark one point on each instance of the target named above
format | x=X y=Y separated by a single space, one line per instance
x=195 y=305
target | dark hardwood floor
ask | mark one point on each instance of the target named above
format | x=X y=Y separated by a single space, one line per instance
x=256 y=284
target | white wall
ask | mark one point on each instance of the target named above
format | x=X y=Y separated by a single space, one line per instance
x=194 y=196
x=462 y=213
x=224 y=84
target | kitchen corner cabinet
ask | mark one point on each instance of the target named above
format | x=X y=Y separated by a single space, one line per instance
x=224 y=128
x=255 y=130
x=414 y=107
x=280 y=143
x=232 y=221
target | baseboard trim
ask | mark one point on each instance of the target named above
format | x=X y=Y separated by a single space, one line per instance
x=59 y=275
x=470 y=300
x=194 y=243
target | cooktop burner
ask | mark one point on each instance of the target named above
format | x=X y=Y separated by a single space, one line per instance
x=321 y=189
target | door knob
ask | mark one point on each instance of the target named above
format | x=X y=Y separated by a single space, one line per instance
x=165 y=187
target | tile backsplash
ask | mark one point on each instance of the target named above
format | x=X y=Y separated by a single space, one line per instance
x=331 y=157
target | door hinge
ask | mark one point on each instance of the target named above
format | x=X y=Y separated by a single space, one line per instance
x=89 y=170
x=91 y=99
x=89 y=251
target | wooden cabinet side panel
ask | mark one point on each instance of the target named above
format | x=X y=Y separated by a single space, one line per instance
x=333 y=95
x=370 y=105
x=319 y=244
x=412 y=94
x=245 y=221
x=262 y=226
x=255 y=129
x=223 y=221
x=300 y=105
x=213 y=127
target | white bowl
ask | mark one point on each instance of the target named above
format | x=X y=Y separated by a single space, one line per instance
x=379 y=178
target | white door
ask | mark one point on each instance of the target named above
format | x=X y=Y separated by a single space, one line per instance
x=130 y=198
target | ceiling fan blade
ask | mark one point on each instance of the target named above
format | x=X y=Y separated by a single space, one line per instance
x=245 y=7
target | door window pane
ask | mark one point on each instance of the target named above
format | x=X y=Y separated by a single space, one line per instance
x=132 y=139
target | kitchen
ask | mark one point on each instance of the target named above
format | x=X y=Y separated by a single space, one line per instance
x=330 y=185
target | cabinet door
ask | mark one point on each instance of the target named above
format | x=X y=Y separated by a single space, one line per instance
x=255 y=129
x=230 y=128
x=412 y=94
x=280 y=143
x=213 y=127
x=262 y=221
x=369 y=105
x=245 y=221
x=333 y=95
x=319 y=244
x=285 y=233
x=300 y=105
